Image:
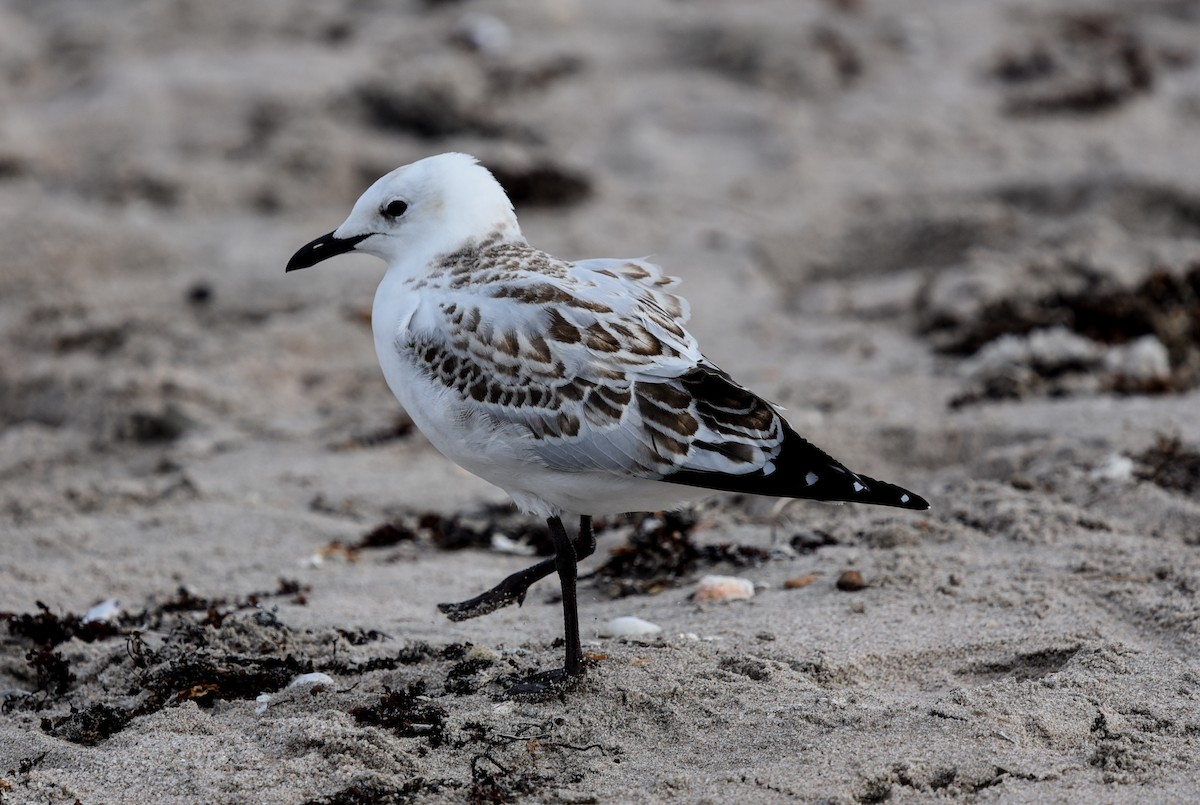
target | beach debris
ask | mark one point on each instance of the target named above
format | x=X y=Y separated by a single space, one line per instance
x=1115 y=467
x=361 y=637
x=482 y=33
x=314 y=678
x=1170 y=464
x=478 y=529
x=104 y=611
x=408 y=713
x=660 y=551
x=1085 y=333
x=812 y=540
x=462 y=678
x=801 y=581
x=502 y=543
x=8 y=695
x=90 y=725
x=385 y=536
x=629 y=626
x=316 y=681
x=1057 y=361
x=1079 y=63
x=722 y=589
x=52 y=670
x=851 y=581
x=497 y=527
x=46 y=630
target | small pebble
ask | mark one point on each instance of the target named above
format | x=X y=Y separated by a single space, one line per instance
x=1022 y=482
x=482 y=655
x=801 y=581
x=858 y=607
x=724 y=588
x=850 y=581
x=201 y=293
x=629 y=626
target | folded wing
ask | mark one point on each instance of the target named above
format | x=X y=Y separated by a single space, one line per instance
x=593 y=360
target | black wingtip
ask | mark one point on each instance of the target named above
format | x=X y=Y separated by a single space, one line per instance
x=803 y=470
x=881 y=493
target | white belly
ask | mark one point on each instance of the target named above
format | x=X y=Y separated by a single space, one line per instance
x=499 y=452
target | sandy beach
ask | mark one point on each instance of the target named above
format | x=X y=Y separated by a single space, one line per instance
x=958 y=242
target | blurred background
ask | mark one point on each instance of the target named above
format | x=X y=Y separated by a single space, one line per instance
x=956 y=170
x=958 y=241
x=885 y=214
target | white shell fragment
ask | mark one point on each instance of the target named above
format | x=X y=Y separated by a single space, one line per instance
x=483 y=33
x=502 y=543
x=723 y=588
x=264 y=699
x=104 y=611
x=1115 y=467
x=629 y=626
x=311 y=679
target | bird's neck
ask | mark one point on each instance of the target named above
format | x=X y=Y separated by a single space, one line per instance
x=433 y=265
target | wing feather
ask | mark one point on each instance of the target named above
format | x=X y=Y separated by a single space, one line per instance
x=593 y=359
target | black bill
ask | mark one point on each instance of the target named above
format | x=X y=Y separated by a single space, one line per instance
x=323 y=248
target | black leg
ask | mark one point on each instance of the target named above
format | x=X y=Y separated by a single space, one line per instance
x=565 y=561
x=585 y=543
x=513 y=589
x=564 y=556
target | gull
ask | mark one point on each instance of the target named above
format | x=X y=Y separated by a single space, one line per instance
x=572 y=386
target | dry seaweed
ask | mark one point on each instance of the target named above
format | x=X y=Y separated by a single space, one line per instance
x=812 y=540
x=89 y=726
x=460 y=679
x=373 y=794
x=1171 y=464
x=385 y=536
x=406 y=713
x=660 y=552
x=456 y=533
x=1083 y=63
x=47 y=629
x=205 y=677
x=1165 y=306
x=52 y=671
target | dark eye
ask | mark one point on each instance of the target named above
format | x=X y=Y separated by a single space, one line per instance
x=395 y=209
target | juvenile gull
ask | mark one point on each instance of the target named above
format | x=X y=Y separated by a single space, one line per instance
x=573 y=386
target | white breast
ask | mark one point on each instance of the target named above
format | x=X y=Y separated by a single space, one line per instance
x=459 y=431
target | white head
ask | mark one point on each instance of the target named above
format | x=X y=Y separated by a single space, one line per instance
x=434 y=206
